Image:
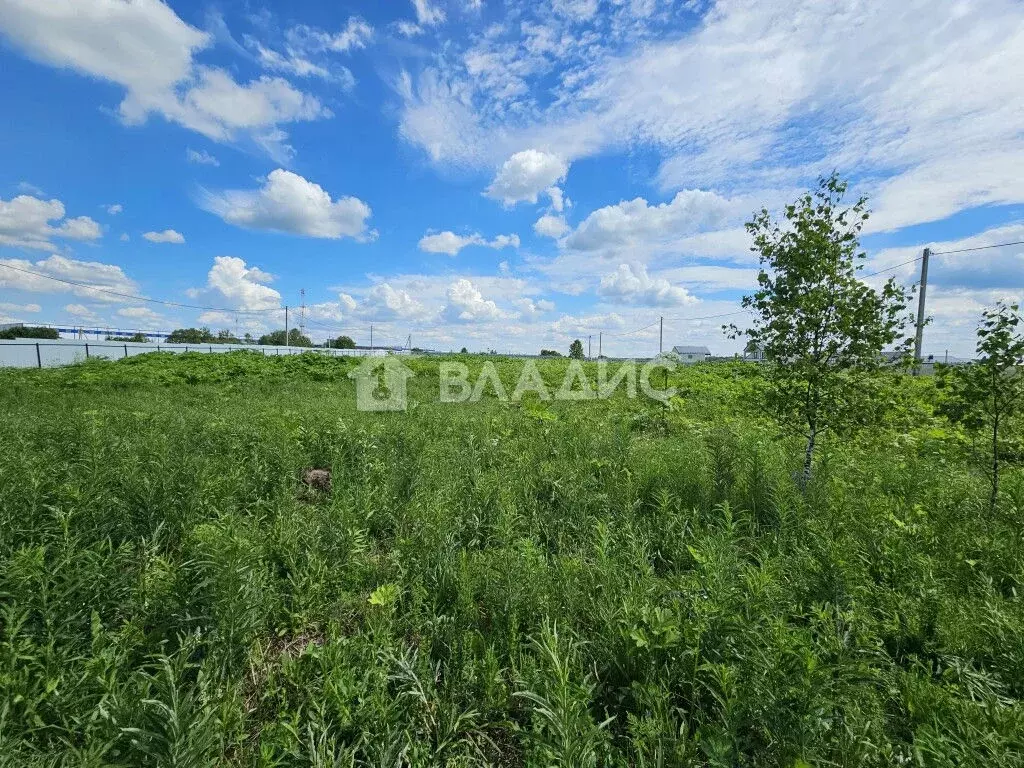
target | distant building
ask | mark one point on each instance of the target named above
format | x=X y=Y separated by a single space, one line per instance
x=754 y=352
x=896 y=355
x=691 y=354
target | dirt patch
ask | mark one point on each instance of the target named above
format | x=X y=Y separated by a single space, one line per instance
x=317 y=480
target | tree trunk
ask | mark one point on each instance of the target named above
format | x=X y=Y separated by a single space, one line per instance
x=995 y=465
x=808 y=458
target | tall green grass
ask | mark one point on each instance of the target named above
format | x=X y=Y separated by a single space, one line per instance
x=611 y=583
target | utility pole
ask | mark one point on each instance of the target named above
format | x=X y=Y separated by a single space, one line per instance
x=286 y=326
x=920 y=310
x=600 y=337
x=302 y=311
x=589 y=337
x=661 y=333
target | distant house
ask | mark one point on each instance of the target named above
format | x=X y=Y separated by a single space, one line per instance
x=754 y=352
x=691 y=354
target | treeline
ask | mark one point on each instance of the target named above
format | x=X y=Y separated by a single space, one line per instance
x=295 y=338
x=130 y=338
x=206 y=336
x=29 y=332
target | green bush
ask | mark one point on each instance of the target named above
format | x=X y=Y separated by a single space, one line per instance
x=342 y=342
x=191 y=336
x=278 y=339
x=29 y=332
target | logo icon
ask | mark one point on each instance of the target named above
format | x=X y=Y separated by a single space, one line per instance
x=380 y=384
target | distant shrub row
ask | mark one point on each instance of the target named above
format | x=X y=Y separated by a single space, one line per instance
x=29 y=332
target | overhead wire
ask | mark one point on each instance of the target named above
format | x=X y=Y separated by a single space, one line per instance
x=869 y=274
x=320 y=325
x=630 y=333
x=977 y=248
x=943 y=253
x=890 y=269
x=708 y=317
x=331 y=327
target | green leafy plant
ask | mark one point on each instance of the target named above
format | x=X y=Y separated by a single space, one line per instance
x=342 y=342
x=599 y=582
x=988 y=395
x=29 y=332
x=295 y=338
x=191 y=336
x=822 y=328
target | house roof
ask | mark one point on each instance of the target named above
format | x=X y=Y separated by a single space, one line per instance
x=691 y=350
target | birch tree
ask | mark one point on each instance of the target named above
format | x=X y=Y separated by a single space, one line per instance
x=822 y=329
x=985 y=396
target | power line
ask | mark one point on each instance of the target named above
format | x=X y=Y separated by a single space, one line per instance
x=943 y=253
x=138 y=298
x=977 y=248
x=869 y=274
x=330 y=327
x=392 y=341
x=319 y=325
x=630 y=333
x=677 y=318
x=709 y=317
x=894 y=266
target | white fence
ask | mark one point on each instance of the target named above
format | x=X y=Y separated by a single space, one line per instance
x=28 y=353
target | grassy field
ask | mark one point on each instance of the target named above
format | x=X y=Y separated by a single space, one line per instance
x=607 y=583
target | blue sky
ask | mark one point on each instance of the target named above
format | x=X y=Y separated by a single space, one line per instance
x=507 y=175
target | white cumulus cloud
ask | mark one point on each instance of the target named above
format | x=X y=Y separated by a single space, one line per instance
x=384 y=302
x=8 y=307
x=147 y=49
x=636 y=222
x=630 y=284
x=84 y=278
x=81 y=312
x=167 y=236
x=527 y=174
x=289 y=203
x=532 y=309
x=467 y=304
x=550 y=226
x=858 y=86
x=232 y=282
x=25 y=222
x=451 y=243
x=141 y=315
